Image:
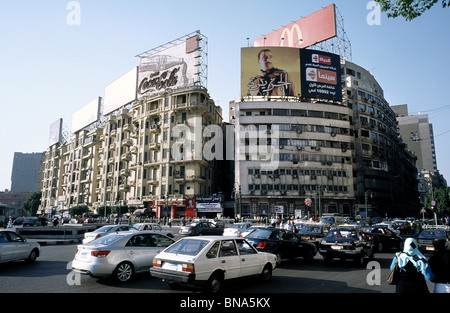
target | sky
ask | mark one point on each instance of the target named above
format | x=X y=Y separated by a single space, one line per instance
x=57 y=56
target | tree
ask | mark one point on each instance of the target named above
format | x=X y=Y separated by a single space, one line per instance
x=409 y=9
x=31 y=205
x=442 y=199
x=78 y=210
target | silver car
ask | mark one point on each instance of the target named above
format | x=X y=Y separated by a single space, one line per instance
x=105 y=230
x=119 y=255
x=14 y=247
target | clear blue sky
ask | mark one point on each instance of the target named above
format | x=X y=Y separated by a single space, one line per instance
x=50 y=69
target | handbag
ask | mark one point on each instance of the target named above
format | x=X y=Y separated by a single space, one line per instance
x=393 y=276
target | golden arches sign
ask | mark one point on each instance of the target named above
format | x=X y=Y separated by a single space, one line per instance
x=289 y=34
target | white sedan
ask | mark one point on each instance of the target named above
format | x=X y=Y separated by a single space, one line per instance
x=207 y=261
x=119 y=255
x=237 y=229
x=106 y=230
x=153 y=227
x=14 y=247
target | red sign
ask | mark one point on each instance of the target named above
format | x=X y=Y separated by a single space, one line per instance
x=307 y=31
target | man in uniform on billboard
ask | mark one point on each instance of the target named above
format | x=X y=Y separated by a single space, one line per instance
x=269 y=81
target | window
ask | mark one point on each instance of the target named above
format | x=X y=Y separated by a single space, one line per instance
x=245 y=248
x=227 y=248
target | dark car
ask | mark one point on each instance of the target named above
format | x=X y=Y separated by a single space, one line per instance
x=383 y=238
x=312 y=233
x=345 y=244
x=201 y=228
x=426 y=237
x=34 y=221
x=283 y=243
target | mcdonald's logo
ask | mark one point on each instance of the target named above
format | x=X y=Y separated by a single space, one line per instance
x=288 y=36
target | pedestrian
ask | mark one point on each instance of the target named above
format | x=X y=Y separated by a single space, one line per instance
x=440 y=266
x=414 y=268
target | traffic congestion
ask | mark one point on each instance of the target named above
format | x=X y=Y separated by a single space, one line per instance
x=206 y=253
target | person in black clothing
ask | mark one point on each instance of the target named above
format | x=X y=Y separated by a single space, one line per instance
x=440 y=266
x=414 y=268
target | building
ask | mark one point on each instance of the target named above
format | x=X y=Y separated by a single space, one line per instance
x=25 y=172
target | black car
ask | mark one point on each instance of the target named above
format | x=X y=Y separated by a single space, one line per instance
x=346 y=243
x=201 y=228
x=283 y=243
x=426 y=237
x=383 y=238
x=312 y=233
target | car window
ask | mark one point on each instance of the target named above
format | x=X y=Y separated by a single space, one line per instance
x=187 y=246
x=106 y=240
x=261 y=233
x=14 y=237
x=212 y=253
x=245 y=248
x=227 y=248
x=139 y=241
x=160 y=240
x=3 y=238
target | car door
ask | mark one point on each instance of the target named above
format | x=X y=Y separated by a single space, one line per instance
x=251 y=260
x=141 y=249
x=7 y=250
x=21 y=248
x=229 y=259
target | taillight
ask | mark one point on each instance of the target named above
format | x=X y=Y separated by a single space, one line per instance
x=157 y=263
x=100 y=253
x=188 y=268
x=98 y=236
x=261 y=245
x=349 y=248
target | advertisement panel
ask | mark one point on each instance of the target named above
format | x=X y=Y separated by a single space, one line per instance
x=281 y=71
x=172 y=66
x=307 y=31
x=55 y=132
x=86 y=115
x=270 y=71
x=320 y=75
x=120 y=92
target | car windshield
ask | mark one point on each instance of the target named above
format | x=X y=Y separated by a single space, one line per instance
x=327 y=220
x=311 y=229
x=103 y=229
x=432 y=234
x=261 y=233
x=107 y=240
x=341 y=234
x=187 y=247
x=238 y=226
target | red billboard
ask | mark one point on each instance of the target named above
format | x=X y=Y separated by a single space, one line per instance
x=307 y=31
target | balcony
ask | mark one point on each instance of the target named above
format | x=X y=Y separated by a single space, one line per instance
x=126 y=157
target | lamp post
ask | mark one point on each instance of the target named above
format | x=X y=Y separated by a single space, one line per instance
x=237 y=195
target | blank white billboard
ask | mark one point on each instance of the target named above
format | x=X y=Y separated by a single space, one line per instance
x=55 y=132
x=86 y=115
x=121 y=91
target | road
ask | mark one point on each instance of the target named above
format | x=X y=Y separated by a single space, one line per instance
x=51 y=274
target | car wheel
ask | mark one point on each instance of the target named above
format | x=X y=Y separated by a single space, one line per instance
x=32 y=257
x=215 y=282
x=266 y=273
x=278 y=255
x=380 y=246
x=123 y=272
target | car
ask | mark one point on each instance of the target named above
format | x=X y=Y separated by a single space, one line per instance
x=208 y=261
x=389 y=225
x=154 y=227
x=311 y=232
x=383 y=238
x=34 y=221
x=346 y=243
x=283 y=243
x=105 y=230
x=403 y=226
x=201 y=228
x=119 y=255
x=426 y=237
x=14 y=247
x=237 y=229
x=254 y=227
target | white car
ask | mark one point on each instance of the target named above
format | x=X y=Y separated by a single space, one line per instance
x=207 y=261
x=105 y=230
x=237 y=229
x=14 y=247
x=153 y=227
x=120 y=255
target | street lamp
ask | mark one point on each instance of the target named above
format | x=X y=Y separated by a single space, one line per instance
x=237 y=195
x=366 y=197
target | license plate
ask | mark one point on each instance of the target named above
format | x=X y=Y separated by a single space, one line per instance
x=336 y=247
x=82 y=255
x=169 y=266
x=430 y=248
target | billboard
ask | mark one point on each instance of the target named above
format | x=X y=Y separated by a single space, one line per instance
x=307 y=31
x=86 y=115
x=55 y=132
x=271 y=71
x=282 y=71
x=174 y=65
x=121 y=91
x=320 y=75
